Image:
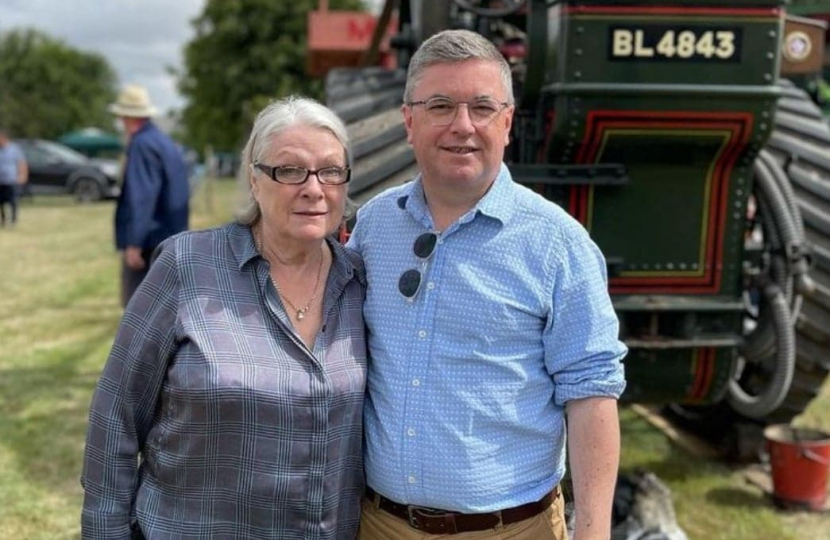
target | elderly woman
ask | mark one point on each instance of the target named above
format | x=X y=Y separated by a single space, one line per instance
x=231 y=403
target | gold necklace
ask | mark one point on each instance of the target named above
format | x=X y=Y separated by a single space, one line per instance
x=300 y=311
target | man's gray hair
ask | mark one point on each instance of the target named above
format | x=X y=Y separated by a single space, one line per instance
x=277 y=117
x=455 y=46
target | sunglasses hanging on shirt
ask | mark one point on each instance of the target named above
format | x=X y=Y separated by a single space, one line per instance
x=410 y=281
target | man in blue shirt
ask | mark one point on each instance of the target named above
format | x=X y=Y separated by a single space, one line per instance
x=14 y=171
x=153 y=204
x=489 y=323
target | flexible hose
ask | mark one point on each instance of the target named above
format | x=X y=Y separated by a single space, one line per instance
x=779 y=270
x=788 y=266
x=759 y=345
x=778 y=204
x=781 y=378
x=783 y=183
x=796 y=249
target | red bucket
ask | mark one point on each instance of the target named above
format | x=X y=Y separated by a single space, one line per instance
x=799 y=459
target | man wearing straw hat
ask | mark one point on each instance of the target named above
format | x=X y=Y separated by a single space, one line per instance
x=154 y=196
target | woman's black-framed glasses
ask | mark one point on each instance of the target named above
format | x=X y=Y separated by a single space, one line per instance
x=290 y=174
x=442 y=111
x=410 y=281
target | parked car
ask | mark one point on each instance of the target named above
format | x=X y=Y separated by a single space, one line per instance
x=55 y=168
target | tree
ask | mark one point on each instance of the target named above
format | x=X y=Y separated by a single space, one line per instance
x=47 y=88
x=245 y=53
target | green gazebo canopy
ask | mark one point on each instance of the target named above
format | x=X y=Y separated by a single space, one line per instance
x=93 y=142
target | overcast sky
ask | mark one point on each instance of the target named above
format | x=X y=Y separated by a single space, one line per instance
x=140 y=38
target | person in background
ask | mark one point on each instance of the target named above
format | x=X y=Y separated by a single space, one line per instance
x=154 y=199
x=489 y=323
x=14 y=172
x=231 y=405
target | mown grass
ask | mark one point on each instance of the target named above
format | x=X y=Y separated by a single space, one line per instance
x=712 y=500
x=58 y=314
x=59 y=311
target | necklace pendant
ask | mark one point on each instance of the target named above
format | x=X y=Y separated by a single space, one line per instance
x=300 y=314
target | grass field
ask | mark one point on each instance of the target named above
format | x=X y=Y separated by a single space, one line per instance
x=59 y=312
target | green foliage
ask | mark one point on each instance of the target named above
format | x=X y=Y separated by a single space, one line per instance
x=823 y=92
x=48 y=88
x=245 y=53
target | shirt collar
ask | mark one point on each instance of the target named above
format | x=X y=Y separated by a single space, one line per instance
x=413 y=200
x=144 y=127
x=242 y=244
x=497 y=203
x=345 y=263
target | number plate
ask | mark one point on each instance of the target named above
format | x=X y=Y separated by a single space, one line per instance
x=665 y=43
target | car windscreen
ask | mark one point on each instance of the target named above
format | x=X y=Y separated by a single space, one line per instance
x=59 y=152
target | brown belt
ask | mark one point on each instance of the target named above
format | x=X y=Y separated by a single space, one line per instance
x=434 y=521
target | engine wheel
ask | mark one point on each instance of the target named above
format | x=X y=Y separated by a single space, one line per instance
x=87 y=190
x=369 y=101
x=800 y=142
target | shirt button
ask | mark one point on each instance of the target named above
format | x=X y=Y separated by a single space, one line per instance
x=422 y=334
x=440 y=240
x=430 y=285
x=411 y=479
x=410 y=432
x=416 y=382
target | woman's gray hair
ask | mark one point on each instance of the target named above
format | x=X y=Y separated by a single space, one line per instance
x=277 y=117
x=455 y=46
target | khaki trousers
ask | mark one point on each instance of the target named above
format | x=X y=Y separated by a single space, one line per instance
x=376 y=524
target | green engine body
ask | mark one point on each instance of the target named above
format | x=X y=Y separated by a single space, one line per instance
x=682 y=97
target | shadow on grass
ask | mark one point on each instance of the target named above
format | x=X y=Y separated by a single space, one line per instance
x=43 y=409
x=738 y=498
x=649 y=449
x=673 y=469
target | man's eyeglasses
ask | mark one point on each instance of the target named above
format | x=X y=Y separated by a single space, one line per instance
x=442 y=111
x=289 y=174
x=410 y=281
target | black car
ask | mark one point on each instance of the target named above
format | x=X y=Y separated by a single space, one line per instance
x=55 y=168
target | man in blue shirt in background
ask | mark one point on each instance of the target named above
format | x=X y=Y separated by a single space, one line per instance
x=155 y=194
x=14 y=172
x=489 y=322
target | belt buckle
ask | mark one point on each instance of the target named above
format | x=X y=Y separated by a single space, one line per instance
x=413 y=511
x=500 y=525
x=413 y=519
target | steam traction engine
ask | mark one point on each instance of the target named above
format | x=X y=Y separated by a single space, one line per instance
x=666 y=129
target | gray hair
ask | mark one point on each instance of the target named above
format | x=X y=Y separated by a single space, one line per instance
x=277 y=117
x=455 y=46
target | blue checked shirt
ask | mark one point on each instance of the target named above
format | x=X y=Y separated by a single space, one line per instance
x=212 y=419
x=467 y=384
